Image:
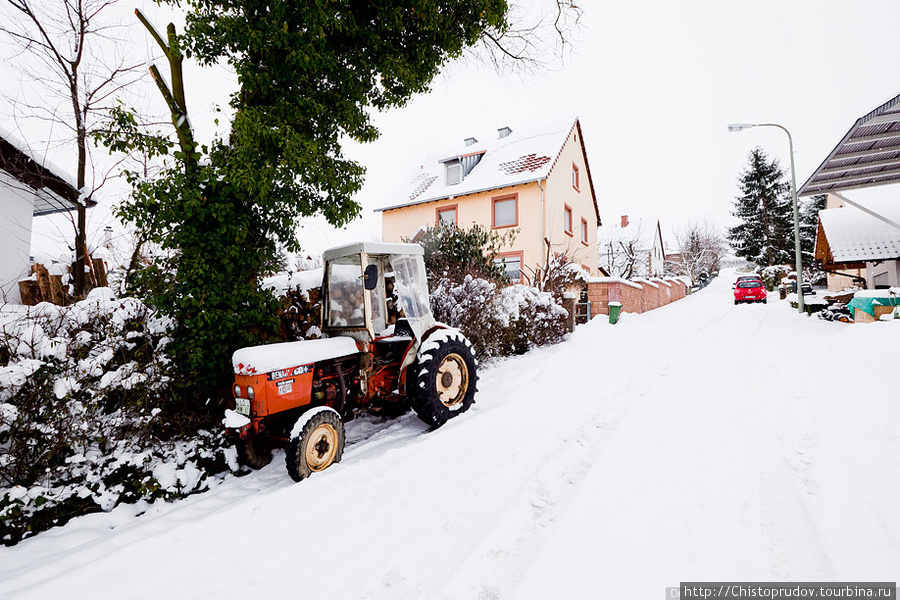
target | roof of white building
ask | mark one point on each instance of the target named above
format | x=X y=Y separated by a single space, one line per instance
x=854 y=235
x=54 y=190
x=522 y=156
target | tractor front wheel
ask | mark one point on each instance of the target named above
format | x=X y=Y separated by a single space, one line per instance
x=317 y=442
x=445 y=379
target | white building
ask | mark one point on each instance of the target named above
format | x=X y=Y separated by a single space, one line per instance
x=28 y=189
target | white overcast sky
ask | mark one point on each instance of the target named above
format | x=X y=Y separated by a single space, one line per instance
x=655 y=84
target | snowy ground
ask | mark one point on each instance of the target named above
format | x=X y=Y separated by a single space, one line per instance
x=701 y=441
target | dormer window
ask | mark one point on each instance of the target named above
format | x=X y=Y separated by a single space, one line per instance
x=453 y=171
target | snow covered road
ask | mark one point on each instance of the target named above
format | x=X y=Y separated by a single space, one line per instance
x=700 y=441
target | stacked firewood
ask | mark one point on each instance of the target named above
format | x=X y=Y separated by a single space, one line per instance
x=41 y=286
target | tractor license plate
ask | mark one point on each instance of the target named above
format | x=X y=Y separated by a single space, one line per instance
x=242 y=406
x=285 y=387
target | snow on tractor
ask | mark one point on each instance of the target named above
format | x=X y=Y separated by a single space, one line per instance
x=382 y=352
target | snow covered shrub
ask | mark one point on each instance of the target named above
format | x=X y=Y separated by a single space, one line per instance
x=772 y=276
x=472 y=307
x=534 y=318
x=562 y=275
x=82 y=426
x=499 y=321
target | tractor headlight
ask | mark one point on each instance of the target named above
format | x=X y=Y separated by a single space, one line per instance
x=237 y=391
x=250 y=393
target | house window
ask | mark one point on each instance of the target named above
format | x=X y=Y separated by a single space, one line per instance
x=575 y=177
x=567 y=219
x=505 y=211
x=446 y=216
x=584 y=231
x=512 y=264
x=454 y=172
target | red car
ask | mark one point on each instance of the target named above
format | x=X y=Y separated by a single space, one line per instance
x=749 y=291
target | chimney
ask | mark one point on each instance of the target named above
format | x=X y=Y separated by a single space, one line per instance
x=503 y=132
x=470 y=141
x=624 y=220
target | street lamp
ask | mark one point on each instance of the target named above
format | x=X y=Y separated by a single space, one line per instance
x=797 y=255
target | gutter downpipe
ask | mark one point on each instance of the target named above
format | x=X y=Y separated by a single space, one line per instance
x=543 y=237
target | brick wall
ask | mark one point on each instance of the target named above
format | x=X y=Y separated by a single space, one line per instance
x=636 y=296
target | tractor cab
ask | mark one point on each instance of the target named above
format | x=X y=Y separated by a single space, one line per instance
x=375 y=291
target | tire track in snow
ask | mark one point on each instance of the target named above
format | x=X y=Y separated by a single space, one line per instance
x=504 y=553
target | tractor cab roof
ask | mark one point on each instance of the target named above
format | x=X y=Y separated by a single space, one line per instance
x=372 y=248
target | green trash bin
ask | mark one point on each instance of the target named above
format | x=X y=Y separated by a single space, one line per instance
x=614 y=309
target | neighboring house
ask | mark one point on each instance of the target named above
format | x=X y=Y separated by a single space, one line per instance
x=627 y=250
x=538 y=183
x=654 y=263
x=844 y=277
x=27 y=189
x=849 y=239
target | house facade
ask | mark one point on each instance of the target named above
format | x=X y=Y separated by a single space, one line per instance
x=535 y=185
x=27 y=189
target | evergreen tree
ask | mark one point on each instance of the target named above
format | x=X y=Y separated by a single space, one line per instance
x=765 y=234
x=809 y=223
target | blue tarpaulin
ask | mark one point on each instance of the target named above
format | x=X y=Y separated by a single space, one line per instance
x=867 y=305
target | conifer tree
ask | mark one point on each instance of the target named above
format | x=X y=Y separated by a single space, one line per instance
x=809 y=223
x=765 y=234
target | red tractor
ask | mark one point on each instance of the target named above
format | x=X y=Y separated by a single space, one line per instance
x=382 y=352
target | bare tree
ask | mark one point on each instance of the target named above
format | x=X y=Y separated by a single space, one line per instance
x=73 y=61
x=701 y=248
x=622 y=249
x=537 y=32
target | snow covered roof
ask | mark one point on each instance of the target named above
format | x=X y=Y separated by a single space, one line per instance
x=855 y=236
x=54 y=192
x=867 y=156
x=522 y=156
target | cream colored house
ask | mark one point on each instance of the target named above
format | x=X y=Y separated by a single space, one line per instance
x=537 y=183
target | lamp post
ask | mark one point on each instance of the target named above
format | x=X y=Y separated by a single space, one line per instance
x=801 y=307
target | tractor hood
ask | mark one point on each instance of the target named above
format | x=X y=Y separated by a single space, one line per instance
x=275 y=357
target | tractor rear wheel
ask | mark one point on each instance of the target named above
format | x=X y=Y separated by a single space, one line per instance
x=445 y=379
x=317 y=442
x=253 y=452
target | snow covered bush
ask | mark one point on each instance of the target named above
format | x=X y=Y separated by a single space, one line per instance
x=83 y=390
x=472 y=307
x=772 y=276
x=499 y=321
x=535 y=318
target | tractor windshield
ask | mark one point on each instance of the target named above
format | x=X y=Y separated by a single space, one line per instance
x=412 y=287
x=344 y=295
